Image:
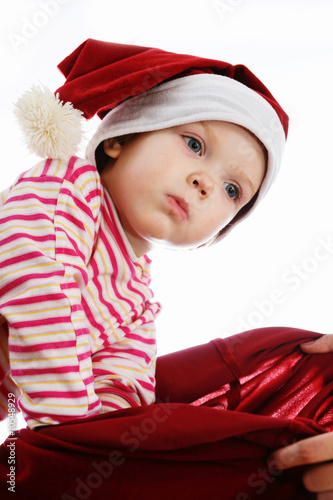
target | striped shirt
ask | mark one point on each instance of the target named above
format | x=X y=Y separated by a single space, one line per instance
x=75 y=297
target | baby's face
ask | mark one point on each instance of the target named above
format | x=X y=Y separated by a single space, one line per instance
x=180 y=186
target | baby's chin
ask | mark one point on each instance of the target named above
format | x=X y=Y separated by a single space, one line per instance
x=179 y=246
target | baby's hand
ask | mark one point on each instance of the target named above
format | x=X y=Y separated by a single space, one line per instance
x=317 y=450
x=323 y=344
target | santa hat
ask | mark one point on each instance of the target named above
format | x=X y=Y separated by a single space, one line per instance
x=139 y=89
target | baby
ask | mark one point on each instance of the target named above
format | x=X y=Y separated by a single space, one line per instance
x=186 y=148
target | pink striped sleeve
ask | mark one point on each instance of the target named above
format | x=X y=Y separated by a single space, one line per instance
x=9 y=392
x=125 y=371
x=47 y=229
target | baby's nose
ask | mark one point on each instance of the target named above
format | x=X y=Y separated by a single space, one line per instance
x=202 y=191
x=203 y=183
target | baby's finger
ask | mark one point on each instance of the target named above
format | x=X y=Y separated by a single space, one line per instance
x=319 y=478
x=325 y=495
x=312 y=450
x=323 y=344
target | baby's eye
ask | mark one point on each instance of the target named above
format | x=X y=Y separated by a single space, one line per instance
x=232 y=190
x=194 y=144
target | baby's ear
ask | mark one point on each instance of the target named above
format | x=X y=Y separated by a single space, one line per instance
x=112 y=148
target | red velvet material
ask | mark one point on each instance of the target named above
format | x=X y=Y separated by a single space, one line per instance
x=100 y=75
x=255 y=392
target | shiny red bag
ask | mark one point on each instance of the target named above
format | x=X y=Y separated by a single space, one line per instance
x=222 y=409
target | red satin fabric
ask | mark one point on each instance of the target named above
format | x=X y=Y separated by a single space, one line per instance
x=252 y=393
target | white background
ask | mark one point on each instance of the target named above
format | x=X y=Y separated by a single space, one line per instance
x=275 y=269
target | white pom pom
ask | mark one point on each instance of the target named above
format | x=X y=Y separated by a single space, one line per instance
x=52 y=129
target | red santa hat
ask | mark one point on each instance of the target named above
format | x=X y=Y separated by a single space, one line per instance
x=139 y=89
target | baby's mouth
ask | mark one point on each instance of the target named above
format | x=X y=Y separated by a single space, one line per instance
x=178 y=206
